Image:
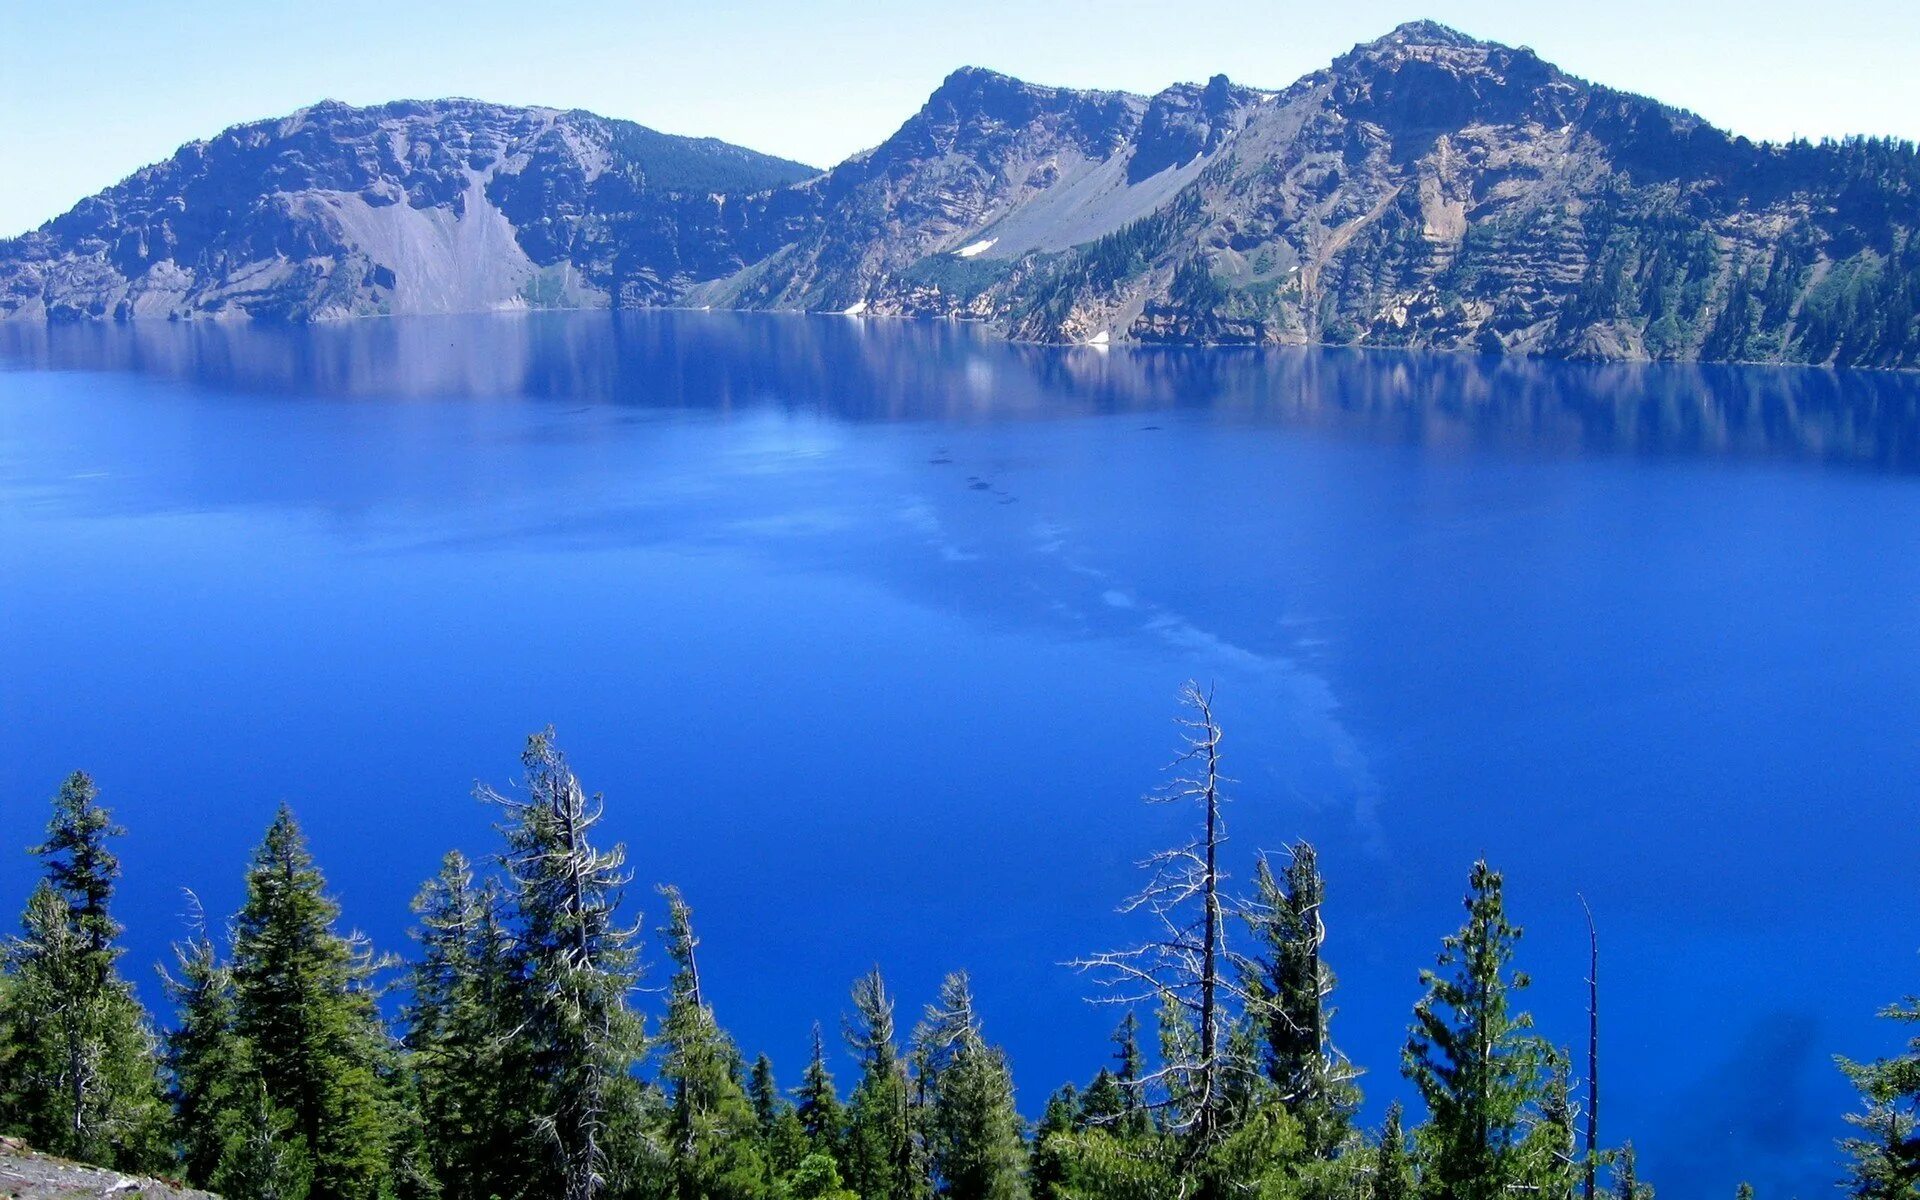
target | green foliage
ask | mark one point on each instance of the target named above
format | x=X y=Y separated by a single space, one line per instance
x=973 y=1133
x=82 y=1071
x=576 y=969
x=460 y=1037
x=304 y=1002
x=1287 y=984
x=882 y=1157
x=1885 y=1152
x=714 y=1134
x=1474 y=1060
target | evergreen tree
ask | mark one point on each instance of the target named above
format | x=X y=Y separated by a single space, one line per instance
x=1046 y=1171
x=81 y=1050
x=1471 y=1057
x=783 y=1140
x=1885 y=1154
x=1552 y=1147
x=1393 y=1177
x=578 y=967
x=1287 y=984
x=714 y=1133
x=463 y=1009
x=304 y=1002
x=882 y=1156
x=1627 y=1185
x=973 y=1133
x=217 y=1092
x=822 y=1117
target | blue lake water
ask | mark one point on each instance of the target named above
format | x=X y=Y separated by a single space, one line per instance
x=872 y=632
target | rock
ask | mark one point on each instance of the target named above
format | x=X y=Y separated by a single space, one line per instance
x=1427 y=190
x=26 y=1175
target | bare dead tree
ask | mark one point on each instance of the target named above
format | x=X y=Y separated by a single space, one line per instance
x=1183 y=969
x=1593 y=1054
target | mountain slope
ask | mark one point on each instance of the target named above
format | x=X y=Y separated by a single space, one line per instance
x=1425 y=190
x=1431 y=190
x=409 y=207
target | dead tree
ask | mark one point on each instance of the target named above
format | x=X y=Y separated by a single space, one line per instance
x=1184 y=968
x=1593 y=1054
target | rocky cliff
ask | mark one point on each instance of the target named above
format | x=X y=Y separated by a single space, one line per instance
x=1424 y=190
x=25 y=1175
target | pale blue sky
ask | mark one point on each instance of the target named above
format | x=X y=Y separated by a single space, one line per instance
x=92 y=89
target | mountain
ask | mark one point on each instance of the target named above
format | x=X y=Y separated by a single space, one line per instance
x=447 y=206
x=1424 y=190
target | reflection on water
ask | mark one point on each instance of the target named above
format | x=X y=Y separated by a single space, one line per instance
x=893 y=370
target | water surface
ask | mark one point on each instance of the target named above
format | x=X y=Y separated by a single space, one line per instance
x=871 y=633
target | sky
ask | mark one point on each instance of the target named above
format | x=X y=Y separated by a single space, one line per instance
x=92 y=90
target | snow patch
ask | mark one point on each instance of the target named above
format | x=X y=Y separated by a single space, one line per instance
x=859 y=306
x=1099 y=339
x=976 y=248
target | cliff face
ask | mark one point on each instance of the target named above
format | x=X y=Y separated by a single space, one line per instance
x=452 y=206
x=1425 y=190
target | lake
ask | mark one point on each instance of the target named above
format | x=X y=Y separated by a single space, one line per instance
x=872 y=632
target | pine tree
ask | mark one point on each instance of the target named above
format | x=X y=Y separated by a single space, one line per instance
x=1047 y=1171
x=818 y=1106
x=304 y=1002
x=1471 y=1057
x=214 y=1080
x=1627 y=1185
x=882 y=1155
x=1552 y=1146
x=783 y=1140
x=1287 y=984
x=82 y=1053
x=973 y=1133
x=464 y=1006
x=1393 y=1177
x=578 y=967
x=1885 y=1155
x=713 y=1132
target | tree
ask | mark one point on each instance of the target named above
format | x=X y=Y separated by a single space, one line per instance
x=882 y=1155
x=1471 y=1057
x=81 y=1049
x=973 y=1133
x=217 y=1093
x=1183 y=969
x=1885 y=1155
x=818 y=1106
x=1393 y=1177
x=783 y=1140
x=1627 y=1185
x=462 y=1013
x=713 y=1141
x=1287 y=985
x=578 y=967
x=304 y=1002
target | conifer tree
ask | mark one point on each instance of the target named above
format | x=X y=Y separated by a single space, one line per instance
x=1552 y=1144
x=822 y=1117
x=973 y=1133
x=883 y=1161
x=1884 y=1156
x=1627 y=1185
x=461 y=1018
x=1472 y=1057
x=713 y=1141
x=216 y=1089
x=1393 y=1177
x=82 y=1054
x=304 y=1002
x=1288 y=983
x=1047 y=1170
x=578 y=966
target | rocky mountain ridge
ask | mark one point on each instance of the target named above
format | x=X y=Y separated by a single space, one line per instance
x=1424 y=190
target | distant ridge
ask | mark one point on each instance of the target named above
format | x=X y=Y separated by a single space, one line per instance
x=1426 y=189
